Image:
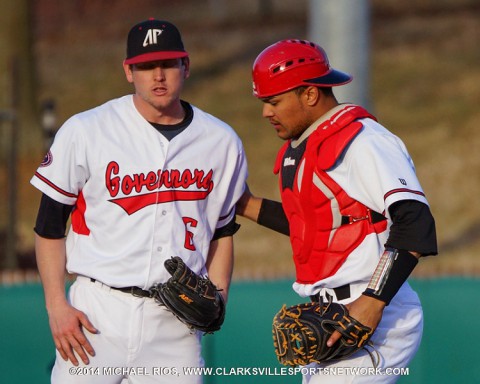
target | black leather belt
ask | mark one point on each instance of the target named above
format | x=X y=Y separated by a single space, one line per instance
x=341 y=293
x=135 y=291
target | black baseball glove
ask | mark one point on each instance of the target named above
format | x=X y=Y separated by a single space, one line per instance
x=193 y=299
x=300 y=333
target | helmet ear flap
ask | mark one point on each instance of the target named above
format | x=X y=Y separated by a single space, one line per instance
x=289 y=64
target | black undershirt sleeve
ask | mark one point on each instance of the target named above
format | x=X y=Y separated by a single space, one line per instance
x=273 y=216
x=413 y=228
x=228 y=230
x=52 y=218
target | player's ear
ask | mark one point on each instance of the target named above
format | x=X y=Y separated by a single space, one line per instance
x=186 y=65
x=127 y=68
x=311 y=95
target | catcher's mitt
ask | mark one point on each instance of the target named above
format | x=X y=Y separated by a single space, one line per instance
x=193 y=299
x=300 y=333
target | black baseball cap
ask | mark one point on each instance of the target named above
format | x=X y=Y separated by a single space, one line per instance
x=153 y=40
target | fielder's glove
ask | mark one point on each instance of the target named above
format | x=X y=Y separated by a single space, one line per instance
x=300 y=333
x=193 y=299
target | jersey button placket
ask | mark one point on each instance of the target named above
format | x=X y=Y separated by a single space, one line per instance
x=160 y=237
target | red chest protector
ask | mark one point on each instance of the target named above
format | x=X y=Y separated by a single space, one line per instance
x=326 y=224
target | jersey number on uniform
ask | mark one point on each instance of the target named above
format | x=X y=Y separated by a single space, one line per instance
x=189 y=223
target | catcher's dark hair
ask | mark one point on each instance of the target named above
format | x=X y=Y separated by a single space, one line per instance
x=327 y=91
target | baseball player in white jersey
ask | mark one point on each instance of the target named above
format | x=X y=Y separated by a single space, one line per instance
x=352 y=205
x=143 y=178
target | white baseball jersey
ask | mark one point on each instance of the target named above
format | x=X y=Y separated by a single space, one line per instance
x=377 y=171
x=139 y=198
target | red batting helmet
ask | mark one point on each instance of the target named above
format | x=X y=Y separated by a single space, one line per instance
x=289 y=64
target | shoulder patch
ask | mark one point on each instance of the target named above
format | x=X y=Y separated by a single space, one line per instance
x=47 y=160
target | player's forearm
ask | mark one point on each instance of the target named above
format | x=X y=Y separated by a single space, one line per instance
x=265 y=212
x=51 y=261
x=249 y=206
x=220 y=264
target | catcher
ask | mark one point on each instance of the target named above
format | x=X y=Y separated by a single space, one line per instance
x=357 y=218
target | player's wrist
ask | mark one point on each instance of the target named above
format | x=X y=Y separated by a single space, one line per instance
x=373 y=302
x=392 y=271
x=55 y=297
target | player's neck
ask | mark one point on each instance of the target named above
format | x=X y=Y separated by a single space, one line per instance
x=170 y=114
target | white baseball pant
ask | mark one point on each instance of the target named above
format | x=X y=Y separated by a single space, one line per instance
x=396 y=340
x=138 y=341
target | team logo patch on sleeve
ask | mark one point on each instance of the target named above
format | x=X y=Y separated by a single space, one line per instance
x=47 y=160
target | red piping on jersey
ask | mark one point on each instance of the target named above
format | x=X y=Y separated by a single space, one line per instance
x=58 y=189
x=399 y=190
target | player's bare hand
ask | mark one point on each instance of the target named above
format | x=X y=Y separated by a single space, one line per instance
x=67 y=324
x=367 y=310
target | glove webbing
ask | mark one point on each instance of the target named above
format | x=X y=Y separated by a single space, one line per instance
x=296 y=336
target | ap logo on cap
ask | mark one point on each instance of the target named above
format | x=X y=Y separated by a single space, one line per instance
x=153 y=40
x=151 y=37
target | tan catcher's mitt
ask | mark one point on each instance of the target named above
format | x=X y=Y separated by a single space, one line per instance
x=300 y=333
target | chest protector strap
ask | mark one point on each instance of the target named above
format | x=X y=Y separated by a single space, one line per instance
x=326 y=224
